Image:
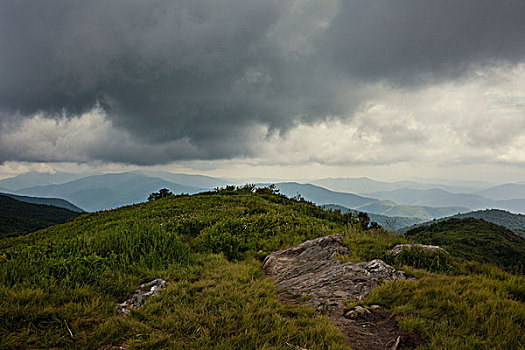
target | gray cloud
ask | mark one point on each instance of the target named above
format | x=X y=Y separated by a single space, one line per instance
x=408 y=40
x=189 y=79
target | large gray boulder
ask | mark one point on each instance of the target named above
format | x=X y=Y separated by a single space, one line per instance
x=310 y=269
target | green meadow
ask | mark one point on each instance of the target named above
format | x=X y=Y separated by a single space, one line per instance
x=59 y=286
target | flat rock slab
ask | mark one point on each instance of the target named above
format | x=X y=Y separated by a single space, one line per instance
x=310 y=269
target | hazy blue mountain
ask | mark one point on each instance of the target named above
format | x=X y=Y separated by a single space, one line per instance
x=387 y=222
x=186 y=179
x=513 y=205
x=442 y=198
x=34 y=178
x=99 y=192
x=57 y=202
x=390 y=208
x=434 y=197
x=320 y=195
x=470 y=183
x=504 y=192
x=18 y=218
x=513 y=222
x=365 y=185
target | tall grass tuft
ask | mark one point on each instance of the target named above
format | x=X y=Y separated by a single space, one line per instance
x=85 y=258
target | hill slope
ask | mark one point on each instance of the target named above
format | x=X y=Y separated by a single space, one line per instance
x=56 y=202
x=387 y=222
x=320 y=195
x=17 y=218
x=514 y=222
x=67 y=280
x=475 y=239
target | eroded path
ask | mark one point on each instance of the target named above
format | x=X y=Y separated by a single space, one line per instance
x=309 y=269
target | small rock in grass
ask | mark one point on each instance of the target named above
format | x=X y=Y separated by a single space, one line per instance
x=428 y=248
x=140 y=296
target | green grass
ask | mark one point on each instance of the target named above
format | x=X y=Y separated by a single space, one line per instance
x=476 y=311
x=59 y=286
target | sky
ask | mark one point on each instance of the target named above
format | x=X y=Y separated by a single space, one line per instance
x=287 y=89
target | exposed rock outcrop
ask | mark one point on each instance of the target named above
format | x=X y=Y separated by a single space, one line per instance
x=428 y=248
x=310 y=269
x=139 y=297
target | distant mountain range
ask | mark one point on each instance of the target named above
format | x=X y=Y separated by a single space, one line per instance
x=320 y=196
x=100 y=192
x=439 y=198
x=18 y=218
x=199 y=181
x=365 y=185
x=392 y=223
x=507 y=196
x=504 y=192
x=34 y=178
x=403 y=199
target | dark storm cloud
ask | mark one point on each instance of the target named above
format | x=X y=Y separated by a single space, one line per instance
x=407 y=40
x=207 y=71
x=162 y=70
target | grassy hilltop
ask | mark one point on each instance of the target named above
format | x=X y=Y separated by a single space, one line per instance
x=59 y=286
x=475 y=239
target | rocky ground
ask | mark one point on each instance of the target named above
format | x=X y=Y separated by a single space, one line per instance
x=309 y=270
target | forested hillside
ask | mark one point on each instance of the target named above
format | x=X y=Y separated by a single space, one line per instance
x=514 y=222
x=18 y=218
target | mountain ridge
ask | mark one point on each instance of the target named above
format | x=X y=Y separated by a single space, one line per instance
x=57 y=202
x=320 y=196
x=34 y=178
x=439 y=197
x=365 y=185
x=106 y=191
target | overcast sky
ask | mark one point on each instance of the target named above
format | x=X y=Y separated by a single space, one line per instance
x=247 y=88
